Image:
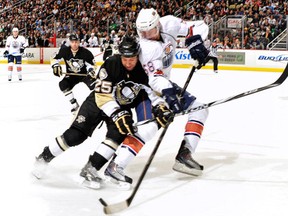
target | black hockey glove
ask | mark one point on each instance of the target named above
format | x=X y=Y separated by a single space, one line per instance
x=22 y=50
x=5 y=54
x=163 y=114
x=170 y=96
x=57 y=69
x=186 y=100
x=92 y=73
x=123 y=121
x=197 y=49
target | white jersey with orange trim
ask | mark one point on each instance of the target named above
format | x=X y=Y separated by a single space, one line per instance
x=13 y=45
x=157 y=56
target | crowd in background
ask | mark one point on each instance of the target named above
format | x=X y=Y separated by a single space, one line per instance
x=38 y=20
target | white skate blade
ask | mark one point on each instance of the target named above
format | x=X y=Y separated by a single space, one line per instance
x=38 y=174
x=89 y=184
x=118 y=184
x=182 y=168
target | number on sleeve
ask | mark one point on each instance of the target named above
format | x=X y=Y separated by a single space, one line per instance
x=103 y=86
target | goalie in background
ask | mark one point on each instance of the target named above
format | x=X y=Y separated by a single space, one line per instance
x=14 y=49
x=79 y=62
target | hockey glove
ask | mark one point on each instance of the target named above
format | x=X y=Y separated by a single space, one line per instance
x=57 y=69
x=92 y=73
x=123 y=121
x=162 y=114
x=5 y=54
x=187 y=99
x=197 y=49
x=22 y=50
x=170 y=96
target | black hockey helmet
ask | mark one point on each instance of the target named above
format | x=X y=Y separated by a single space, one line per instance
x=129 y=46
x=74 y=37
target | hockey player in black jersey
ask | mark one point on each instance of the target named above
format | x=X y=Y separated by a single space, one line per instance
x=79 y=62
x=125 y=74
x=107 y=47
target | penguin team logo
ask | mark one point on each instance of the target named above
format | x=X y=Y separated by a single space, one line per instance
x=126 y=92
x=81 y=119
x=75 y=65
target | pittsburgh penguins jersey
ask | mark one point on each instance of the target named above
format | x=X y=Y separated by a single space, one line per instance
x=157 y=56
x=116 y=86
x=79 y=62
x=13 y=45
x=107 y=45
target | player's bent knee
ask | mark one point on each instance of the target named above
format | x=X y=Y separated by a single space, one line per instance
x=147 y=131
x=74 y=137
x=64 y=86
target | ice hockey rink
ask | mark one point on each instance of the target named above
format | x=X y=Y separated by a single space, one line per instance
x=244 y=149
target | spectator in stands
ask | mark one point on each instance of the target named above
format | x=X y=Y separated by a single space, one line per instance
x=121 y=14
x=93 y=41
x=236 y=44
x=83 y=43
x=254 y=43
x=46 y=42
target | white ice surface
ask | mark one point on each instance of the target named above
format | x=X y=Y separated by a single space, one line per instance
x=244 y=149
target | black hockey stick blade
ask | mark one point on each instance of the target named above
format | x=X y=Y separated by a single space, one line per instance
x=120 y=206
x=278 y=82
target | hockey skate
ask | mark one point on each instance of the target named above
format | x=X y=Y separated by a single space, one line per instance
x=41 y=163
x=184 y=162
x=114 y=174
x=9 y=77
x=90 y=177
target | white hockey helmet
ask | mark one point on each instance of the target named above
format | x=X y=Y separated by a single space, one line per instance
x=147 y=19
x=15 y=29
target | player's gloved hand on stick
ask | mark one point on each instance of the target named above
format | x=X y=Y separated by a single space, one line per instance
x=123 y=121
x=22 y=50
x=196 y=49
x=186 y=100
x=170 y=96
x=57 y=69
x=5 y=54
x=92 y=73
x=163 y=114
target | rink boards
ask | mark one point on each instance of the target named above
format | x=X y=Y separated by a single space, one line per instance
x=247 y=60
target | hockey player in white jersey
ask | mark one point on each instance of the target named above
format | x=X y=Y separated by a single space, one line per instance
x=158 y=43
x=14 y=49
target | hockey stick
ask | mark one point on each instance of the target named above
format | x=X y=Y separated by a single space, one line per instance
x=114 y=208
x=74 y=74
x=279 y=81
